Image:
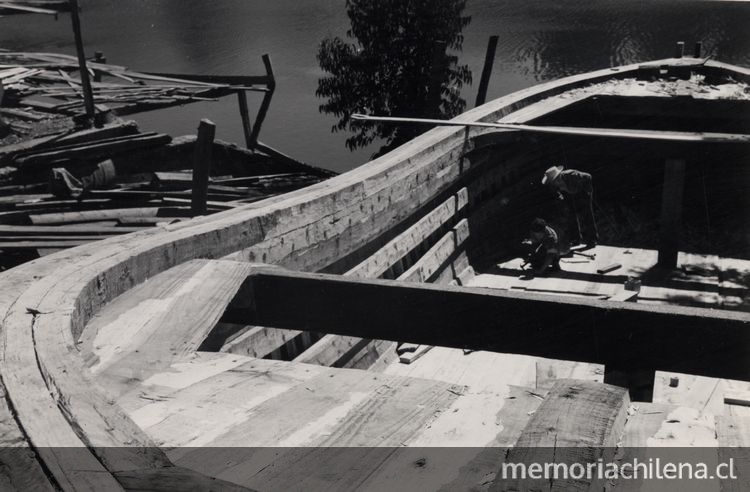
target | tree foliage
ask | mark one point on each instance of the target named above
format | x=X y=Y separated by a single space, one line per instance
x=387 y=68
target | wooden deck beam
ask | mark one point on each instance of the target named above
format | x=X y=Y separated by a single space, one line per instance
x=625 y=336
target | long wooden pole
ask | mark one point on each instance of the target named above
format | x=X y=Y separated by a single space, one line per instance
x=265 y=104
x=573 y=130
x=88 y=95
x=247 y=130
x=489 y=60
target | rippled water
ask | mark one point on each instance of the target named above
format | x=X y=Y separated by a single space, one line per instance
x=539 y=40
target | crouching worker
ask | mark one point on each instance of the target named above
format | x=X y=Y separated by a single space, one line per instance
x=543 y=250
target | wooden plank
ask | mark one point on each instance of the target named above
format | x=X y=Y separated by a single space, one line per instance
x=24 y=8
x=331 y=350
x=108 y=214
x=740 y=398
x=625 y=296
x=435 y=257
x=595 y=416
x=22 y=245
x=21 y=470
x=19 y=113
x=609 y=268
x=53 y=238
x=174 y=478
x=478 y=427
x=212 y=80
x=409 y=357
x=93 y=134
x=733 y=435
x=159 y=322
x=28 y=144
x=94 y=150
x=374 y=357
x=64 y=230
x=380 y=261
x=257 y=341
x=321 y=412
x=185 y=406
x=142 y=222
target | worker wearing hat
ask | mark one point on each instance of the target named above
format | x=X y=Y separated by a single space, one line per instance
x=542 y=248
x=576 y=190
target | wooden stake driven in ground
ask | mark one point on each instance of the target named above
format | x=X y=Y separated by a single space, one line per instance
x=202 y=166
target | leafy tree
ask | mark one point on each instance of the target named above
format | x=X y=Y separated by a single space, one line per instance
x=387 y=69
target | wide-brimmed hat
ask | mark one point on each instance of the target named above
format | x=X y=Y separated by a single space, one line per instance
x=551 y=174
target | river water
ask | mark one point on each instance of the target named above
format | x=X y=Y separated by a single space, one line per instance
x=539 y=40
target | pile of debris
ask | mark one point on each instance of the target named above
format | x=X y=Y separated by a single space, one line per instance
x=65 y=183
x=50 y=82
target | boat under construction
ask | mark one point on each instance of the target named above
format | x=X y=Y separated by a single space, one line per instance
x=379 y=329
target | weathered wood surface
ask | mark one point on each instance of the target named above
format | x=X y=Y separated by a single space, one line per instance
x=594 y=417
x=20 y=469
x=159 y=322
x=429 y=264
x=335 y=350
x=376 y=264
x=306 y=230
x=704 y=393
x=733 y=435
x=253 y=403
x=697 y=283
x=255 y=341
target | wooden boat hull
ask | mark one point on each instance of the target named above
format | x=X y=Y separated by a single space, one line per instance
x=333 y=226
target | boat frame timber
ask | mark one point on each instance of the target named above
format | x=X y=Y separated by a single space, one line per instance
x=82 y=440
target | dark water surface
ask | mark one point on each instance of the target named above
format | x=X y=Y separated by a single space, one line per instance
x=539 y=40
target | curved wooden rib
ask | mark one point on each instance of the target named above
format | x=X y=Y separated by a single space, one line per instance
x=45 y=304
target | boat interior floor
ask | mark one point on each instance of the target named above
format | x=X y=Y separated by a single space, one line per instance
x=268 y=420
x=700 y=280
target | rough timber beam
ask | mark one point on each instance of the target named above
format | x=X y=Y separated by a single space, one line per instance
x=713 y=343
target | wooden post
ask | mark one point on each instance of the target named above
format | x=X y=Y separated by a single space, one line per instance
x=680 y=49
x=202 y=166
x=432 y=108
x=671 y=212
x=246 y=128
x=266 y=102
x=489 y=59
x=88 y=96
x=638 y=381
x=698 y=50
x=98 y=58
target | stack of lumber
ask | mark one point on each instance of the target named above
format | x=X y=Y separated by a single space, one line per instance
x=62 y=185
x=70 y=187
x=50 y=82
